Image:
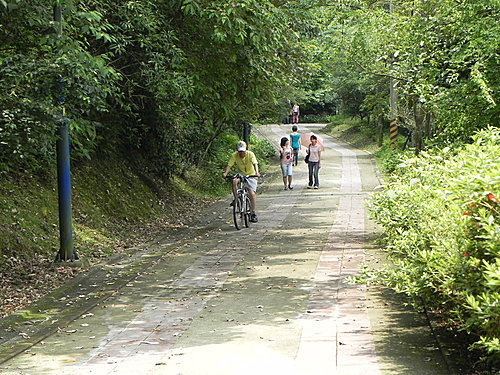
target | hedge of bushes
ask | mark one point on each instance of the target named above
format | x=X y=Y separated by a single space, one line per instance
x=207 y=177
x=441 y=219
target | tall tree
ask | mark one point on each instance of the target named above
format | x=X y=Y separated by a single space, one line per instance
x=443 y=56
x=164 y=77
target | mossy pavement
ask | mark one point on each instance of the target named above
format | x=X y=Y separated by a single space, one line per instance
x=204 y=298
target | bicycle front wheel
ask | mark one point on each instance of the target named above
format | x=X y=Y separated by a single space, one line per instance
x=246 y=211
x=238 y=213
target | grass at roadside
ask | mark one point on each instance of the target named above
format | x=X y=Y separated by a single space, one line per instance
x=365 y=137
x=354 y=132
x=117 y=204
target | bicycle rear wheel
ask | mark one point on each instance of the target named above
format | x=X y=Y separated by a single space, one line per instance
x=238 y=213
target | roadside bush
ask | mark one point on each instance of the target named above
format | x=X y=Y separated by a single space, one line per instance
x=342 y=121
x=390 y=158
x=207 y=177
x=321 y=118
x=263 y=150
x=441 y=220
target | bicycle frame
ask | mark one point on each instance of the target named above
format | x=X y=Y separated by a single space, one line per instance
x=241 y=205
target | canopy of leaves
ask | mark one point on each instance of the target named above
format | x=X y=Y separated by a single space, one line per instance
x=163 y=78
x=442 y=56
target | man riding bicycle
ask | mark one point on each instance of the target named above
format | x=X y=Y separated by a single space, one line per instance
x=247 y=164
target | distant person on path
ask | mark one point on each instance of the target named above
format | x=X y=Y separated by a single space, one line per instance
x=286 y=161
x=295 y=140
x=314 y=152
x=287 y=114
x=295 y=113
x=247 y=164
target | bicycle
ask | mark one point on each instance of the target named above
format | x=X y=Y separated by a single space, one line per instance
x=241 y=205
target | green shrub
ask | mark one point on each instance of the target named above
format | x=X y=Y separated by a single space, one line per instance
x=390 y=158
x=441 y=219
x=263 y=150
x=342 y=121
x=207 y=177
x=321 y=118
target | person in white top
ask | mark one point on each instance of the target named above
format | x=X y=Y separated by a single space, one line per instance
x=286 y=162
x=295 y=113
x=314 y=152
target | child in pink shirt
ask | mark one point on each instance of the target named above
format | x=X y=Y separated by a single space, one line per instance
x=286 y=161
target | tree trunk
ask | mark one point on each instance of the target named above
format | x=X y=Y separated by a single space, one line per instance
x=427 y=125
x=380 y=138
x=419 y=115
x=217 y=132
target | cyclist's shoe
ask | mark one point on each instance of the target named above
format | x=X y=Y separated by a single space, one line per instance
x=290 y=187
x=253 y=217
x=231 y=204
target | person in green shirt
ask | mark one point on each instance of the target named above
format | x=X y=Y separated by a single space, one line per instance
x=295 y=140
x=247 y=164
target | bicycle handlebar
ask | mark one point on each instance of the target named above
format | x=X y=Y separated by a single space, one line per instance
x=240 y=175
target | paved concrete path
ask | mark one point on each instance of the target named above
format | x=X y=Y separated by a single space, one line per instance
x=270 y=299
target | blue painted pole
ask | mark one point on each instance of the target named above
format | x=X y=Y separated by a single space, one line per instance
x=64 y=189
x=63 y=167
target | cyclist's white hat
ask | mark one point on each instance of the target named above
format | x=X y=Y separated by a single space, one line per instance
x=241 y=146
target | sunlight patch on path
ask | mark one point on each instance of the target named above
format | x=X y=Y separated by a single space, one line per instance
x=337 y=324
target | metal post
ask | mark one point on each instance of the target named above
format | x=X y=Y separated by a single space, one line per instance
x=63 y=167
x=64 y=188
x=246 y=132
x=393 y=116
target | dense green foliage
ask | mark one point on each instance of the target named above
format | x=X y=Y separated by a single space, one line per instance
x=441 y=217
x=163 y=78
x=149 y=75
x=167 y=84
x=207 y=179
x=442 y=56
